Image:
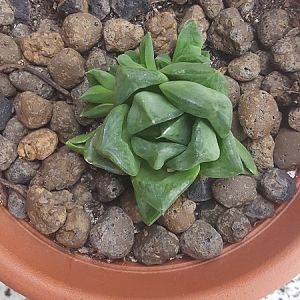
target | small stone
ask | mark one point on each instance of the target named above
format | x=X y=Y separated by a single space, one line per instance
x=121 y=35
x=15 y=130
x=235 y=191
x=60 y=171
x=277 y=186
x=16 y=204
x=210 y=212
x=81 y=194
x=265 y=62
x=259 y=209
x=163 y=27
x=38 y=144
x=8 y=153
x=67 y=7
x=94 y=210
x=244 y=6
x=278 y=86
x=294 y=118
x=75 y=232
x=287 y=149
x=201 y=241
x=22 y=171
x=262 y=152
x=20 y=31
x=272 y=27
x=253 y=85
x=6 y=88
x=286 y=54
x=48 y=25
x=3 y=196
x=113 y=235
x=258 y=113
x=99 y=8
x=40 y=47
x=9 y=50
x=7 y=16
x=277 y=125
x=6 y=111
x=155 y=245
x=233 y=226
x=128 y=204
x=21 y=9
x=129 y=9
x=81 y=31
x=25 y=81
x=200 y=190
x=180 y=2
x=32 y=110
x=47 y=211
x=234 y=91
x=67 y=68
x=236 y=127
x=63 y=121
x=244 y=68
x=196 y=13
x=98 y=59
x=108 y=186
x=212 y=8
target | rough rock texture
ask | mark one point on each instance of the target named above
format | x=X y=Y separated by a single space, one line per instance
x=9 y=50
x=113 y=235
x=294 y=118
x=200 y=190
x=81 y=194
x=14 y=130
x=67 y=7
x=8 y=153
x=163 y=27
x=210 y=212
x=6 y=88
x=229 y=33
x=277 y=186
x=265 y=62
x=236 y=127
x=155 y=245
x=235 y=191
x=201 y=241
x=81 y=31
x=128 y=204
x=16 y=204
x=244 y=6
x=3 y=195
x=100 y=9
x=20 y=31
x=129 y=9
x=277 y=125
x=21 y=9
x=233 y=226
x=287 y=149
x=38 y=144
x=258 y=113
x=7 y=16
x=32 y=110
x=61 y=170
x=212 y=8
x=40 y=47
x=252 y=85
x=121 y=35
x=6 y=111
x=180 y=216
x=234 y=91
x=98 y=59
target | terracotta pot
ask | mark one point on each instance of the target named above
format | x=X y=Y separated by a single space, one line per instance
x=40 y=269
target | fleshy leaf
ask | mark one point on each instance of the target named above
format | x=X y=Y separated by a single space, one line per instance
x=126 y=61
x=203 y=147
x=81 y=139
x=202 y=102
x=134 y=55
x=97 y=94
x=149 y=109
x=112 y=141
x=159 y=189
x=156 y=154
x=97 y=76
x=97 y=111
x=147 y=52
x=163 y=60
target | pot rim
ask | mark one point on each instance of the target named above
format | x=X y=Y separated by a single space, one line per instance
x=41 y=269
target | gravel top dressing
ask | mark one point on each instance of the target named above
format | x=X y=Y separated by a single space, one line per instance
x=148 y=130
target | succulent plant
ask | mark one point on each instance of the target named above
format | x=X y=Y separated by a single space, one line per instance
x=166 y=120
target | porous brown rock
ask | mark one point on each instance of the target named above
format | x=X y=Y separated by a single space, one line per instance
x=9 y=50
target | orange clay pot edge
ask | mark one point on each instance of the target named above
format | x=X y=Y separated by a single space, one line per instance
x=40 y=269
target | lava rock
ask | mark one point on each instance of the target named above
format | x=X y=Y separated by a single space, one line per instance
x=210 y=211
x=9 y=50
x=212 y=8
x=3 y=196
x=22 y=171
x=201 y=241
x=75 y=232
x=8 y=153
x=67 y=7
x=99 y=8
x=21 y=9
x=180 y=2
x=155 y=245
x=287 y=149
x=16 y=204
x=244 y=6
x=265 y=62
x=94 y=210
x=98 y=59
x=25 y=81
x=277 y=186
x=6 y=111
x=81 y=31
x=128 y=204
x=294 y=118
x=67 y=68
x=234 y=191
x=32 y=110
x=236 y=127
x=234 y=91
x=48 y=25
x=63 y=121
x=7 y=16
x=121 y=35
x=129 y=9
x=258 y=113
x=272 y=26
x=253 y=85
x=277 y=125
x=38 y=144
x=163 y=28
x=81 y=194
x=6 y=88
x=180 y=216
x=20 y=31
x=233 y=226
x=40 y=47
x=15 y=130
x=113 y=235
x=200 y=190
